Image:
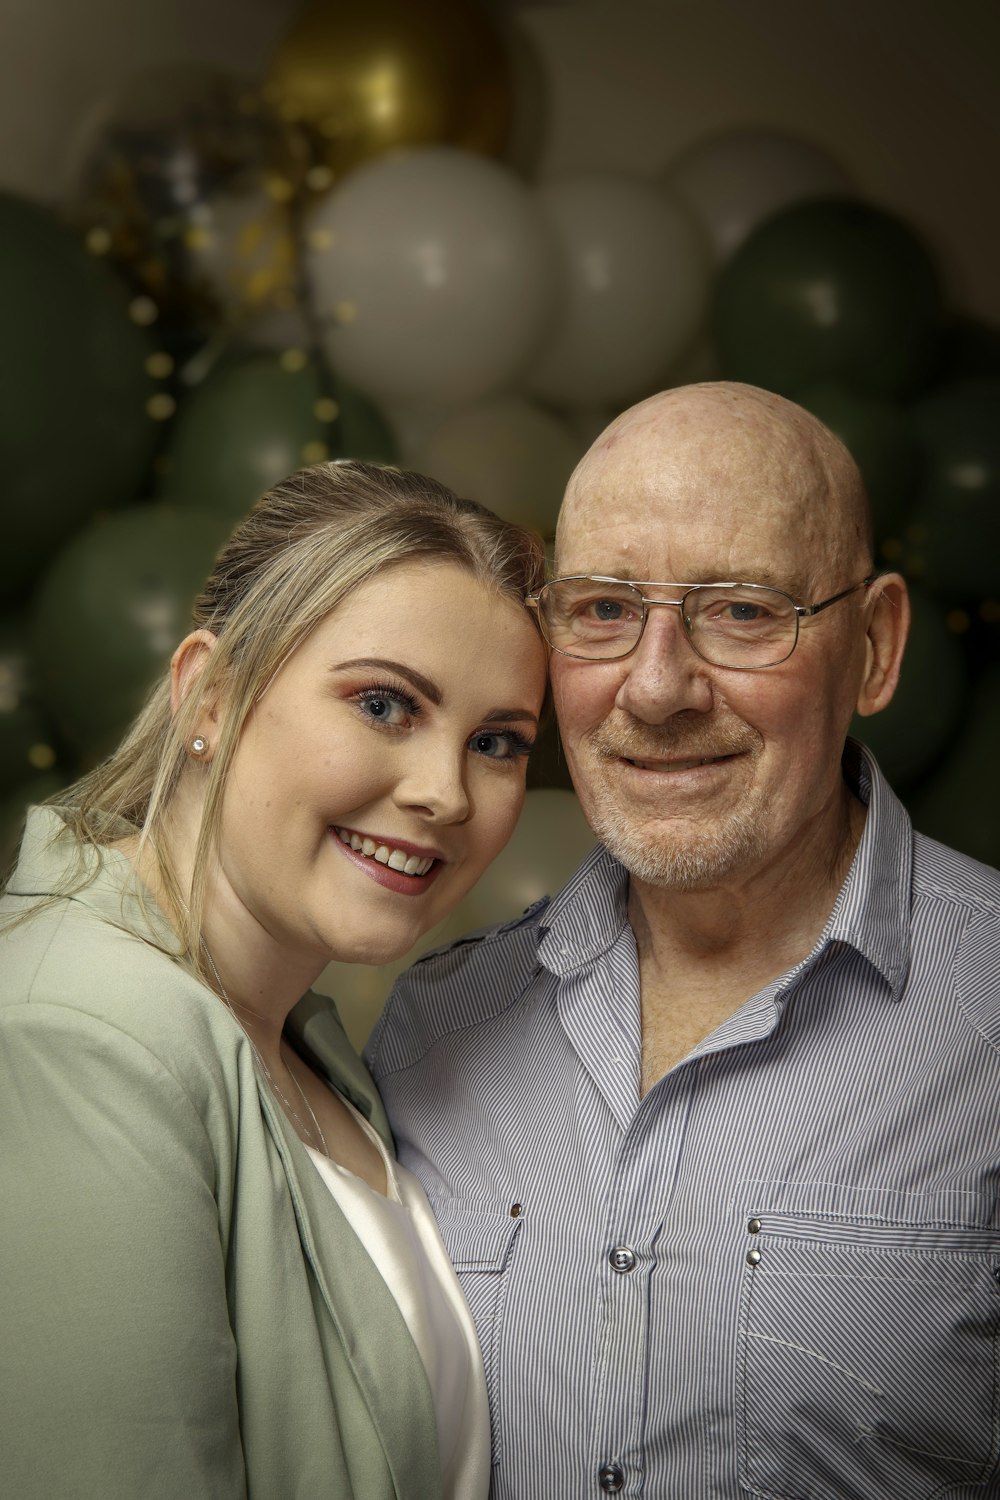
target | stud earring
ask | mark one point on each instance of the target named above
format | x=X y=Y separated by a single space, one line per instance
x=199 y=745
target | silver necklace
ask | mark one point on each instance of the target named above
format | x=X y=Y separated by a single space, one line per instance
x=290 y=1109
x=289 y=1106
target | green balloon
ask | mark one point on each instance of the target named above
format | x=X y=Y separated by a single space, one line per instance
x=830 y=290
x=970 y=351
x=961 y=804
x=920 y=721
x=109 y=613
x=253 y=421
x=953 y=539
x=26 y=738
x=876 y=432
x=75 y=434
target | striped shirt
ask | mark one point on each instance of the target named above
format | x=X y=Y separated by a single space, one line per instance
x=778 y=1273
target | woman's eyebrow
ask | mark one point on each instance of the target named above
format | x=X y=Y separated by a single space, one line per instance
x=383 y=664
x=502 y=715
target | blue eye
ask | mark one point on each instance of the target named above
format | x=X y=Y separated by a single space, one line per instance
x=391 y=706
x=506 y=744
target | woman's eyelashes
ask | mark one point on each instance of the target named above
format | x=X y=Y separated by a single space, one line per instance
x=384 y=704
x=508 y=745
x=388 y=706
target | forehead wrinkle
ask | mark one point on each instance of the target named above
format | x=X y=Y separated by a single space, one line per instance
x=760 y=453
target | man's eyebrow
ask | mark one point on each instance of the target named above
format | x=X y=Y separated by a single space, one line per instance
x=384 y=664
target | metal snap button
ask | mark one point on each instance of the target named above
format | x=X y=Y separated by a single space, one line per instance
x=611 y=1478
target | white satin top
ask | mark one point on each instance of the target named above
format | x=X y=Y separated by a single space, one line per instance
x=401 y=1236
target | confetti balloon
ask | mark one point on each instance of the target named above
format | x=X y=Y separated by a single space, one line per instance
x=834 y=290
x=187 y=181
x=736 y=179
x=636 y=283
x=254 y=420
x=436 y=276
x=366 y=79
x=76 y=430
x=109 y=613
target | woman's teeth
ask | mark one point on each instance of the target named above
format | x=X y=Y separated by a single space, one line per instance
x=406 y=864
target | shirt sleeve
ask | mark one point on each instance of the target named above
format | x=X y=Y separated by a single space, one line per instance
x=117 y=1359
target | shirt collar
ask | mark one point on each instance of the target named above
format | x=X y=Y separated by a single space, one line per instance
x=871 y=913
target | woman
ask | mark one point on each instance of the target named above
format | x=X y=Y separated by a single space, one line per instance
x=214 y=1280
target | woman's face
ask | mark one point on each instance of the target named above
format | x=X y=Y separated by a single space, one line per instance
x=384 y=767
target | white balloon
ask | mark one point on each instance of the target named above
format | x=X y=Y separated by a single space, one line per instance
x=435 y=273
x=636 y=271
x=735 y=180
x=506 y=453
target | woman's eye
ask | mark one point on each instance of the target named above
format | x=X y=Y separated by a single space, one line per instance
x=501 y=745
x=394 y=709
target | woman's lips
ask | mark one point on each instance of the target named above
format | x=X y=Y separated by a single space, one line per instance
x=394 y=864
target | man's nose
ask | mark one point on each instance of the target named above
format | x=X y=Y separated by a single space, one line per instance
x=665 y=675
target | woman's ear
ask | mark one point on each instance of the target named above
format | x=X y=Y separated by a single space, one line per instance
x=186 y=666
x=888 y=628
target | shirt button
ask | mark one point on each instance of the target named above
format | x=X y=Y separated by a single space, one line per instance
x=621 y=1259
x=754 y=1226
x=753 y=1258
x=515 y=1210
x=611 y=1478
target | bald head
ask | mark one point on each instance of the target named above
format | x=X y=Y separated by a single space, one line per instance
x=769 y=459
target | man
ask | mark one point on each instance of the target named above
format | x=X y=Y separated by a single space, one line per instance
x=714 y=1135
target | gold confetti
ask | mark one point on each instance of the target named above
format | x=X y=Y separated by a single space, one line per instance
x=161 y=406
x=318 y=179
x=346 y=311
x=293 y=360
x=143 y=310
x=989 y=611
x=321 y=239
x=197 y=237
x=42 y=757
x=160 y=365
x=98 y=240
x=315 y=453
x=279 y=189
x=957 y=621
x=326 y=409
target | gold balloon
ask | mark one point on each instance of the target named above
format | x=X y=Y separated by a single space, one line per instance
x=363 y=80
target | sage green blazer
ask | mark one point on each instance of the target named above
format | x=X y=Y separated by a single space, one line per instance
x=184 y=1310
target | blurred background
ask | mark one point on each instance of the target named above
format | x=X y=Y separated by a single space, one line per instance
x=242 y=237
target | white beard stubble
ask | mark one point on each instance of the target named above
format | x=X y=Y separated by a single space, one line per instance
x=710 y=850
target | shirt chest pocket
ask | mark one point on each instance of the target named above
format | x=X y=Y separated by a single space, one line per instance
x=482 y=1240
x=868 y=1349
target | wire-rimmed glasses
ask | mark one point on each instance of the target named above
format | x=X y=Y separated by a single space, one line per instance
x=742 y=626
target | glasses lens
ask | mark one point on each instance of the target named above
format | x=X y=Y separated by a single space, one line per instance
x=745 y=626
x=589 y=618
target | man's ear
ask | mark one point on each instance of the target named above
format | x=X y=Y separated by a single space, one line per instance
x=888 y=628
x=186 y=666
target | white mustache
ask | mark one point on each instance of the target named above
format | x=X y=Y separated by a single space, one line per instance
x=630 y=740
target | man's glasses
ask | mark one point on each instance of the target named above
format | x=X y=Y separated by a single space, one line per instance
x=743 y=626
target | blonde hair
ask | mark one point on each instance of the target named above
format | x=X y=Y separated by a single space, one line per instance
x=304 y=546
